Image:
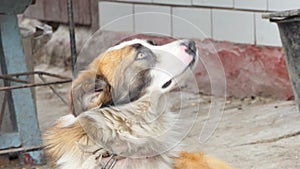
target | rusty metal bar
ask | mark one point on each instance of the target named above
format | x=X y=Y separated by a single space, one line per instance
x=10 y=78
x=72 y=35
x=3 y=108
x=53 y=90
x=37 y=72
x=6 y=88
x=28 y=84
x=21 y=149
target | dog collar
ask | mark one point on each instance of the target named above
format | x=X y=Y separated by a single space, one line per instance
x=111 y=162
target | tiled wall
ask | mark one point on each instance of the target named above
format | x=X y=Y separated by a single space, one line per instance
x=224 y=20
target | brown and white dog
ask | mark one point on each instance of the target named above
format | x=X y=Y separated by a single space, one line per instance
x=120 y=113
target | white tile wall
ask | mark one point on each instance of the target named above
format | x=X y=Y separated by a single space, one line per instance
x=251 y=4
x=174 y=2
x=278 y=5
x=116 y=16
x=153 y=19
x=191 y=23
x=234 y=26
x=144 y=1
x=267 y=33
x=217 y=3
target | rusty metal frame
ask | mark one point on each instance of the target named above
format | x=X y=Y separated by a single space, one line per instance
x=15 y=78
x=27 y=84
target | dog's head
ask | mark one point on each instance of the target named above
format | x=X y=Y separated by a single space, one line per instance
x=129 y=70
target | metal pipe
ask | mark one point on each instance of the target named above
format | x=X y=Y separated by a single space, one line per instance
x=72 y=36
x=53 y=90
x=33 y=73
x=9 y=78
x=21 y=149
x=3 y=107
x=6 y=88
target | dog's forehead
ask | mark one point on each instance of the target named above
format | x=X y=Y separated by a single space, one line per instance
x=129 y=43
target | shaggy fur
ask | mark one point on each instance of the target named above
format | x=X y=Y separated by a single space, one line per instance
x=114 y=113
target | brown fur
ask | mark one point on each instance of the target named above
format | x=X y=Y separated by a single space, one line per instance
x=105 y=66
x=107 y=63
x=198 y=161
x=65 y=138
x=103 y=98
x=61 y=139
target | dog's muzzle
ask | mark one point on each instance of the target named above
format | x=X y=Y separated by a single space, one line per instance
x=191 y=48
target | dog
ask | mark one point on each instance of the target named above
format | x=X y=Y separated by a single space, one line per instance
x=120 y=119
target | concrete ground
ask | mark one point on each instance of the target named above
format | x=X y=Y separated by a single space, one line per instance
x=257 y=136
x=253 y=133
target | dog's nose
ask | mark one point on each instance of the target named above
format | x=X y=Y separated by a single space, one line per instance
x=191 y=47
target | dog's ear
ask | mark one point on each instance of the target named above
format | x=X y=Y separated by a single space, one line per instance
x=89 y=90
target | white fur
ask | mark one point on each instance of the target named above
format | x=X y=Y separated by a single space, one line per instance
x=159 y=139
x=67 y=120
x=172 y=61
x=143 y=128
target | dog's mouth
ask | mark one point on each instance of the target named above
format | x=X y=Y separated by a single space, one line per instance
x=169 y=82
x=191 y=51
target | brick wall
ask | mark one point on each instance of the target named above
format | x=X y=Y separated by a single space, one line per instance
x=236 y=21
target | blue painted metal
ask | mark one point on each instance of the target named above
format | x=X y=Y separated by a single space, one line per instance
x=10 y=140
x=13 y=61
x=10 y=7
x=36 y=156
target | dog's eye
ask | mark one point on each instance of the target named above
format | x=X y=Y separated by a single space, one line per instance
x=140 y=56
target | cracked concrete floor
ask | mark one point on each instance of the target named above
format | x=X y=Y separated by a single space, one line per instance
x=253 y=133
x=258 y=136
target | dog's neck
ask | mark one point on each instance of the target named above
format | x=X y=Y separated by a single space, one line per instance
x=141 y=131
x=145 y=132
